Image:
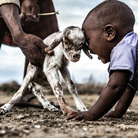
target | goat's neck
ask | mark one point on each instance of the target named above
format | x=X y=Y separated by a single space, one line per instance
x=59 y=52
x=65 y=61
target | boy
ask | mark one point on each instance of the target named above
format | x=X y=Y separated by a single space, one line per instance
x=109 y=32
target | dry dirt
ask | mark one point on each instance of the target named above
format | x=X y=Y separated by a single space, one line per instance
x=32 y=122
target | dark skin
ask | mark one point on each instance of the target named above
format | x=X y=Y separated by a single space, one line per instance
x=31 y=45
x=115 y=90
x=123 y=103
x=101 y=40
x=30 y=8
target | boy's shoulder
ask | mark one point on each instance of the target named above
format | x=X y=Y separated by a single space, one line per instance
x=130 y=39
x=124 y=55
x=127 y=45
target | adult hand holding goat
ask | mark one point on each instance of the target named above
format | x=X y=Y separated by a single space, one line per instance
x=31 y=45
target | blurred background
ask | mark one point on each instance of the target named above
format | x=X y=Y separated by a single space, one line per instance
x=70 y=13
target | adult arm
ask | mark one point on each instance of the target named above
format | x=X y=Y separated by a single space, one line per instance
x=32 y=46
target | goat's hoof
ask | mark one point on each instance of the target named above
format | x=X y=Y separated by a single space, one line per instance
x=82 y=109
x=50 y=107
x=3 y=110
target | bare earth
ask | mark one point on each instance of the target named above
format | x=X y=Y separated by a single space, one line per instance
x=32 y=122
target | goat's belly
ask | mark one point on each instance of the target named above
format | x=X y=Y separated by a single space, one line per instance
x=52 y=63
x=42 y=83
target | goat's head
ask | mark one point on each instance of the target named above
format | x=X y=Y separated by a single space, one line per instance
x=73 y=41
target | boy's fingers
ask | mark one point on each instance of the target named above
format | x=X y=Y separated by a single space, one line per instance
x=77 y=118
x=71 y=115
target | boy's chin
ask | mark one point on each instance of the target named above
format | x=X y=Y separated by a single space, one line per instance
x=104 y=61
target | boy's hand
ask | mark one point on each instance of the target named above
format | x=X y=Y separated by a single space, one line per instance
x=113 y=114
x=79 y=116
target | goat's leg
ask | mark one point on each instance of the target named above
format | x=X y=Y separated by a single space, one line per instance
x=53 y=78
x=19 y=94
x=36 y=90
x=72 y=89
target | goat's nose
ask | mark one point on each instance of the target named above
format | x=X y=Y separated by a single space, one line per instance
x=76 y=56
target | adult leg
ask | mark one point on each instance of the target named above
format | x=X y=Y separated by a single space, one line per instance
x=46 y=26
x=2 y=30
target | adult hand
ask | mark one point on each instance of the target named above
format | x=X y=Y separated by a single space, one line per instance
x=29 y=7
x=79 y=116
x=32 y=47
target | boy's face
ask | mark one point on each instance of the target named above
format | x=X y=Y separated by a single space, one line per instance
x=97 y=43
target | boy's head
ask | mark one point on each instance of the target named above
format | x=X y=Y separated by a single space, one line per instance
x=106 y=25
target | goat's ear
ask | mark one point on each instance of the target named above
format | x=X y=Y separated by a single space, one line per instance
x=86 y=51
x=55 y=43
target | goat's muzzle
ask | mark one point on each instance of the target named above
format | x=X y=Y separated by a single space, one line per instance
x=75 y=57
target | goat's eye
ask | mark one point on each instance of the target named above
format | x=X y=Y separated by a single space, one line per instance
x=66 y=42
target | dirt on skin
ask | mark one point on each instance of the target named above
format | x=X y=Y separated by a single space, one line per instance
x=30 y=122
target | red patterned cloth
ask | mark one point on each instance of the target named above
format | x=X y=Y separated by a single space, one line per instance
x=46 y=25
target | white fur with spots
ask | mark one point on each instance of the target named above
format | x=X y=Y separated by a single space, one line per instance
x=68 y=45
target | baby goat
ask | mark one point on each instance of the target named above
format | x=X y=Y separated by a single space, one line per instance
x=68 y=48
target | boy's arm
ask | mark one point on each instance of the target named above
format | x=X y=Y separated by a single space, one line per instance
x=123 y=103
x=109 y=96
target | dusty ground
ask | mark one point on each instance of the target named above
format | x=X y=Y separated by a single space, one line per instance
x=32 y=122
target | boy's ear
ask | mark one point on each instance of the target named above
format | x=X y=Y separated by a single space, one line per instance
x=110 y=32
